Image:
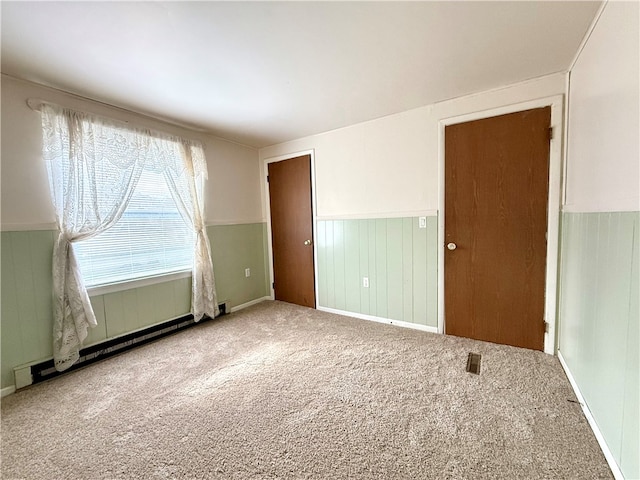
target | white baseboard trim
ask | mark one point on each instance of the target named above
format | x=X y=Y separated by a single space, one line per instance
x=248 y=304
x=615 y=469
x=7 y=391
x=363 y=316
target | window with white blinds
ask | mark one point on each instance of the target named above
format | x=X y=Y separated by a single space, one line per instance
x=150 y=239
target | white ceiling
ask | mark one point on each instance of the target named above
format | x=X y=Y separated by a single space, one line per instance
x=266 y=72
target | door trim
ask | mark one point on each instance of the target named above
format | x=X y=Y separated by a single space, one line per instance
x=556 y=165
x=265 y=172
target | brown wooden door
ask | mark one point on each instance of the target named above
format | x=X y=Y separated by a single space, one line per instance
x=292 y=230
x=496 y=193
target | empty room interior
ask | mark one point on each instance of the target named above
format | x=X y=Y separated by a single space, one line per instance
x=320 y=239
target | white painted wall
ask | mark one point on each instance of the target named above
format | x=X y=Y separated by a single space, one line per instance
x=389 y=166
x=599 y=277
x=232 y=193
x=603 y=160
x=24 y=185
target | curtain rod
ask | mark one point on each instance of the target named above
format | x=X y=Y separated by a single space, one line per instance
x=36 y=105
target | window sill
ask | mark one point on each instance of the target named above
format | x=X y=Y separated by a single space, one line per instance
x=137 y=283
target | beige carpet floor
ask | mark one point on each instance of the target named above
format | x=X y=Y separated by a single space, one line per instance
x=281 y=391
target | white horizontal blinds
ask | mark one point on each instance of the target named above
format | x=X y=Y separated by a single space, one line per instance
x=151 y=238
x=113 y=189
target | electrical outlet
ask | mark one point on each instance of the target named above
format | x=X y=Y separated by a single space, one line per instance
x=365 y=282
x=247 y=272
x=422 y=222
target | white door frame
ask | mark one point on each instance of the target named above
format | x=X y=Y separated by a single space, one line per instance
x=553 y=205
x=267 y=199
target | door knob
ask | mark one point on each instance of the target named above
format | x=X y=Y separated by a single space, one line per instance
x=307 y=242
x=451 y=246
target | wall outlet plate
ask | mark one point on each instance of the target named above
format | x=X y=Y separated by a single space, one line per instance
x=422 y=222
x=365 y=282
x=247 y=272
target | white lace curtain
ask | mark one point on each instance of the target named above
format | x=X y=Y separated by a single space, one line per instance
x=94 y=165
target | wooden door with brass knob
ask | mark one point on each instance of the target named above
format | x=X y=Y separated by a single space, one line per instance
x=291 y=208
x=496 y=197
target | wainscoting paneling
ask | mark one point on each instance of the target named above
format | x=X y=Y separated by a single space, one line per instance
x=235 y=248
x=599 y=323
x=398 y=258
x=26 y=298
x=26 y=293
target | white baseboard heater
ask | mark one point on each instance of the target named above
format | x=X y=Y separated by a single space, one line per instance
x=39 y=372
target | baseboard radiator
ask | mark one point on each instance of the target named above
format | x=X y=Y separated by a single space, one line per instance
x=31 y=374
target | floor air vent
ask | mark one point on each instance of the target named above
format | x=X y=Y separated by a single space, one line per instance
x=46 y=370
x=473 y=363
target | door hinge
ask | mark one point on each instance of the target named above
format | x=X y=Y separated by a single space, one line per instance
x=267 y=178
x=546 y=327
x=273 y=285
x=550 y=133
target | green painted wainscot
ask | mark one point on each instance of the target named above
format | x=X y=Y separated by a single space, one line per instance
x=599 y=324
x=26 y=309
x=397 y=256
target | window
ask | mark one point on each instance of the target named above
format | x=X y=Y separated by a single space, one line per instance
x=150 y=239
x=130 y=203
